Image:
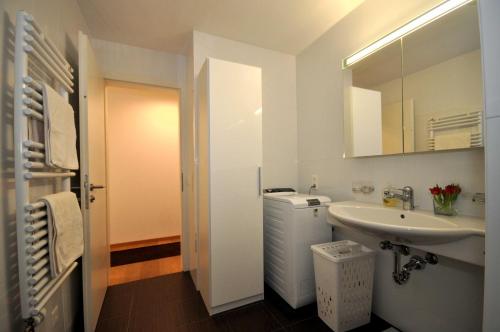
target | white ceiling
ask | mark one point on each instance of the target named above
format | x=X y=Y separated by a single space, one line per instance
x=282 y=25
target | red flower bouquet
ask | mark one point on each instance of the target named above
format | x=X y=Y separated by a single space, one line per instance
x=444 y=199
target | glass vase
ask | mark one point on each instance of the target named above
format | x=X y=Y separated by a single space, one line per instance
x=444 y=209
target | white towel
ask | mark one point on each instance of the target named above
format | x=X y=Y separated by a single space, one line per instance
x=452 y=141
x=60 y=131
x=65 y=230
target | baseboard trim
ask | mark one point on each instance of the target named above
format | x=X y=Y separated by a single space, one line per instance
x=144 y=243
x=232 y=305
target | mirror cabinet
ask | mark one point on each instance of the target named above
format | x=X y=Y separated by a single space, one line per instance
x=422 y=92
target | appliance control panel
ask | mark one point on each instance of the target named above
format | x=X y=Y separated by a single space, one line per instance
x=313 y=202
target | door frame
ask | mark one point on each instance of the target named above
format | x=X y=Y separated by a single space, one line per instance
x=182 y=149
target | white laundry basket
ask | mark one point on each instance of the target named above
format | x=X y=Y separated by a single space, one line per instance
x=344 y=281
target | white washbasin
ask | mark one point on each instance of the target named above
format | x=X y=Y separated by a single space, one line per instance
x=415 y=227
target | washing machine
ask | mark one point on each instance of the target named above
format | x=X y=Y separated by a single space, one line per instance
x=292 y=223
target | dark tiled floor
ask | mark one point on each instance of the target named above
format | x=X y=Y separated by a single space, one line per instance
x=171 y=303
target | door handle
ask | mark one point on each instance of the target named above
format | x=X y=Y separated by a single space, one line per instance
x=96 y=186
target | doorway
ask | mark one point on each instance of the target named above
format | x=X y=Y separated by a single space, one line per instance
x=143 y=179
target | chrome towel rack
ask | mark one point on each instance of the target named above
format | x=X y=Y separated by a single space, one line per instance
x=37 y=61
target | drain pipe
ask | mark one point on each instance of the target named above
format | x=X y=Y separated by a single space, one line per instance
x=402 y=275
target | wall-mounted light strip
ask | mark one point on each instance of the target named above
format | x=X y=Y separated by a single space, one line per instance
x=413 y=25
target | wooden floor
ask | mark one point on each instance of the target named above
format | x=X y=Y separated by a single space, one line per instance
x=143 y=270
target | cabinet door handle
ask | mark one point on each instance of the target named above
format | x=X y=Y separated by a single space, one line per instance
x=259 y=180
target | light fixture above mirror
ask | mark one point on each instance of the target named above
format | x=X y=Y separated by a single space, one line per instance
x=411 y=26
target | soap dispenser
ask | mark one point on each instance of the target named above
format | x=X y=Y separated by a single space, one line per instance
x=389 y=201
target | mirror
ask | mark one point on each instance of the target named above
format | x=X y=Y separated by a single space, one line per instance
x=442 y=83
x=423 y=92
x=373 y=103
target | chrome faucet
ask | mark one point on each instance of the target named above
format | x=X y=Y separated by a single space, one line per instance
x=405 y=195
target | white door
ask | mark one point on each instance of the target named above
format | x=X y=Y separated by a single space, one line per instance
x=93 y=180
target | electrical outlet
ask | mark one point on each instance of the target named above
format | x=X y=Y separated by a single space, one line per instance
x=315 y=181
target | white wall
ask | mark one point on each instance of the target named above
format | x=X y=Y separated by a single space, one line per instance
x=66 y=304
x=140 y=65
x=490 y=26
x=279 y=115
x=142 y=137
x=446 y=297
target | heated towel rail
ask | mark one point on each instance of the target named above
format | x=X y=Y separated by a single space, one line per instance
x=471 y=122
x=37 y=61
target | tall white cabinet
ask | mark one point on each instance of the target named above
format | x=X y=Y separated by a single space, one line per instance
x=230 y=226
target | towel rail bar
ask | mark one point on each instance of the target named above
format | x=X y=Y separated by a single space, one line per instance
x=465 y=117
x=33 y=93
x=35 y=247
x=29 y=18
x=35 y=236
x=34 y=206
x=34 y=38
x=457 y=116
x=36 y=288
x=29 y=49
x=32 y=83
x=31 y=25
x=31 y=41
x=33 y=144
x=33 y=154
x=36 y=226
x=455 y=124
x=53 y=285
x=36 y=257
x=32 y=280
x=38 y=297
x=34 y=114
x=34 y=164
x=38 y=266
x=32 y=103
x=46 y=175
x=34 y=216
